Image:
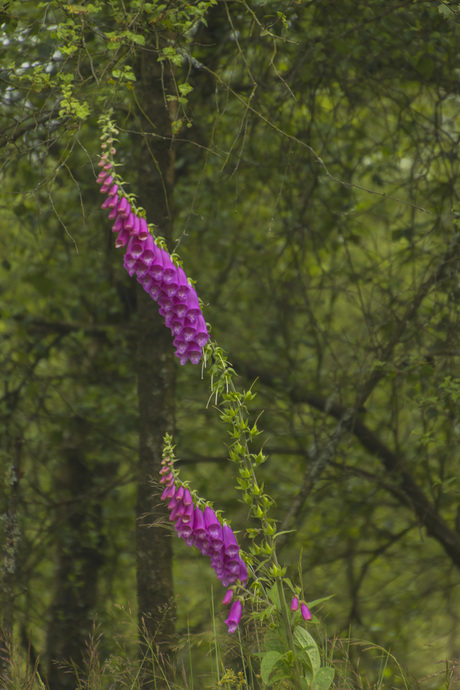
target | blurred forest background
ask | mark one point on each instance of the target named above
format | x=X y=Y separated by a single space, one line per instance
x=302 y=158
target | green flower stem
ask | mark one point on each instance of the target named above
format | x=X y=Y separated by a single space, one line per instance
x=235 y=413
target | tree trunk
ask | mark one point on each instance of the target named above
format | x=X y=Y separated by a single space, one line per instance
x=156 y=381
x=79 y=557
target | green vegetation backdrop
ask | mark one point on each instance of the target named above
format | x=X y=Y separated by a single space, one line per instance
x=302 y=159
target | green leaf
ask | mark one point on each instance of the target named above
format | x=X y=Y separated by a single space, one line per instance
x=268 y=662
x=309 y=647
x=323 y=679
x=445 y=11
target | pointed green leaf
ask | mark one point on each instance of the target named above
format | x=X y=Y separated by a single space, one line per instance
x=269 y=660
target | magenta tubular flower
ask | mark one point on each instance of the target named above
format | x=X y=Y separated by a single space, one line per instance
x=122 y=239
x=107 y=183
x=211 y=522
x=294 y=604
x=136 y=225
x=143 y=229
x=149 y=250
x=169 y=269
x=118 y=225
x=124 y=208
x=129 y=222
x=180 y=493
x=243 y=574
x=193 y=353
x=228 y=597
x=135 y=247
x=168 y=492
x=234 y=616
x=177 y=511
x=198 y=524
x=305 y=611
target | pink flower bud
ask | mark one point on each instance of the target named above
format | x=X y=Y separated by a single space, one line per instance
x=305 y=611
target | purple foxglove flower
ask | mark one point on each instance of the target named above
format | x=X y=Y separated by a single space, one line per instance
x=143 y=229
x=176 y=326
x=156 y=267
x=103 y=160
x=187 y=517
x=128 y=262
x=124 y=207
x=180 y=307
x=194 y=353
x=101 y=177
x=193 y=305
x=129 y=222
x=113 y=200
x=201 y=332
x=113 y=213
x=177 y=512
x=141 y=269
x=204 y=547
x=118 y=225
x=135 y=248
x=155 y=290
x=169 y=492
x=122 y=239
x=183 y=359
x=198 y=524
x=106 y=202
x=146 y=281
x=188 y=332
x=305 y=611
x=167 y=478
x=294 y=604
x=180 y=345
x=183 y=286
x=183 y=530
x=187 y=499
x=136 y=225
x=228 y=597
x=149 y=250
x=180 y=493
x=170 y=288
x=108 y=187
x=169 y=269
x=243 y=575
x=212 y=524
x=230 y=543
x=232 y=566
x=217 y=542
x=234 y=616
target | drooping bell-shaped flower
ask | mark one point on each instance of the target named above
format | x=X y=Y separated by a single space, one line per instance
x=228 y=597
x=294 y=604
x=213 y=526
x=234 y=616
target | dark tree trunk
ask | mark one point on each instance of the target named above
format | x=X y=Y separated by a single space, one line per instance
x=11 y=538
x=79 y=556
x=156 y=377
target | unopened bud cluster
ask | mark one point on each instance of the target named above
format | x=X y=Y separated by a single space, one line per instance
x=153 y=267
x=203 y=529
x=304 y=610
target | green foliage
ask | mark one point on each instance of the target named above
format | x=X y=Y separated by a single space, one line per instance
x=296 y=129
